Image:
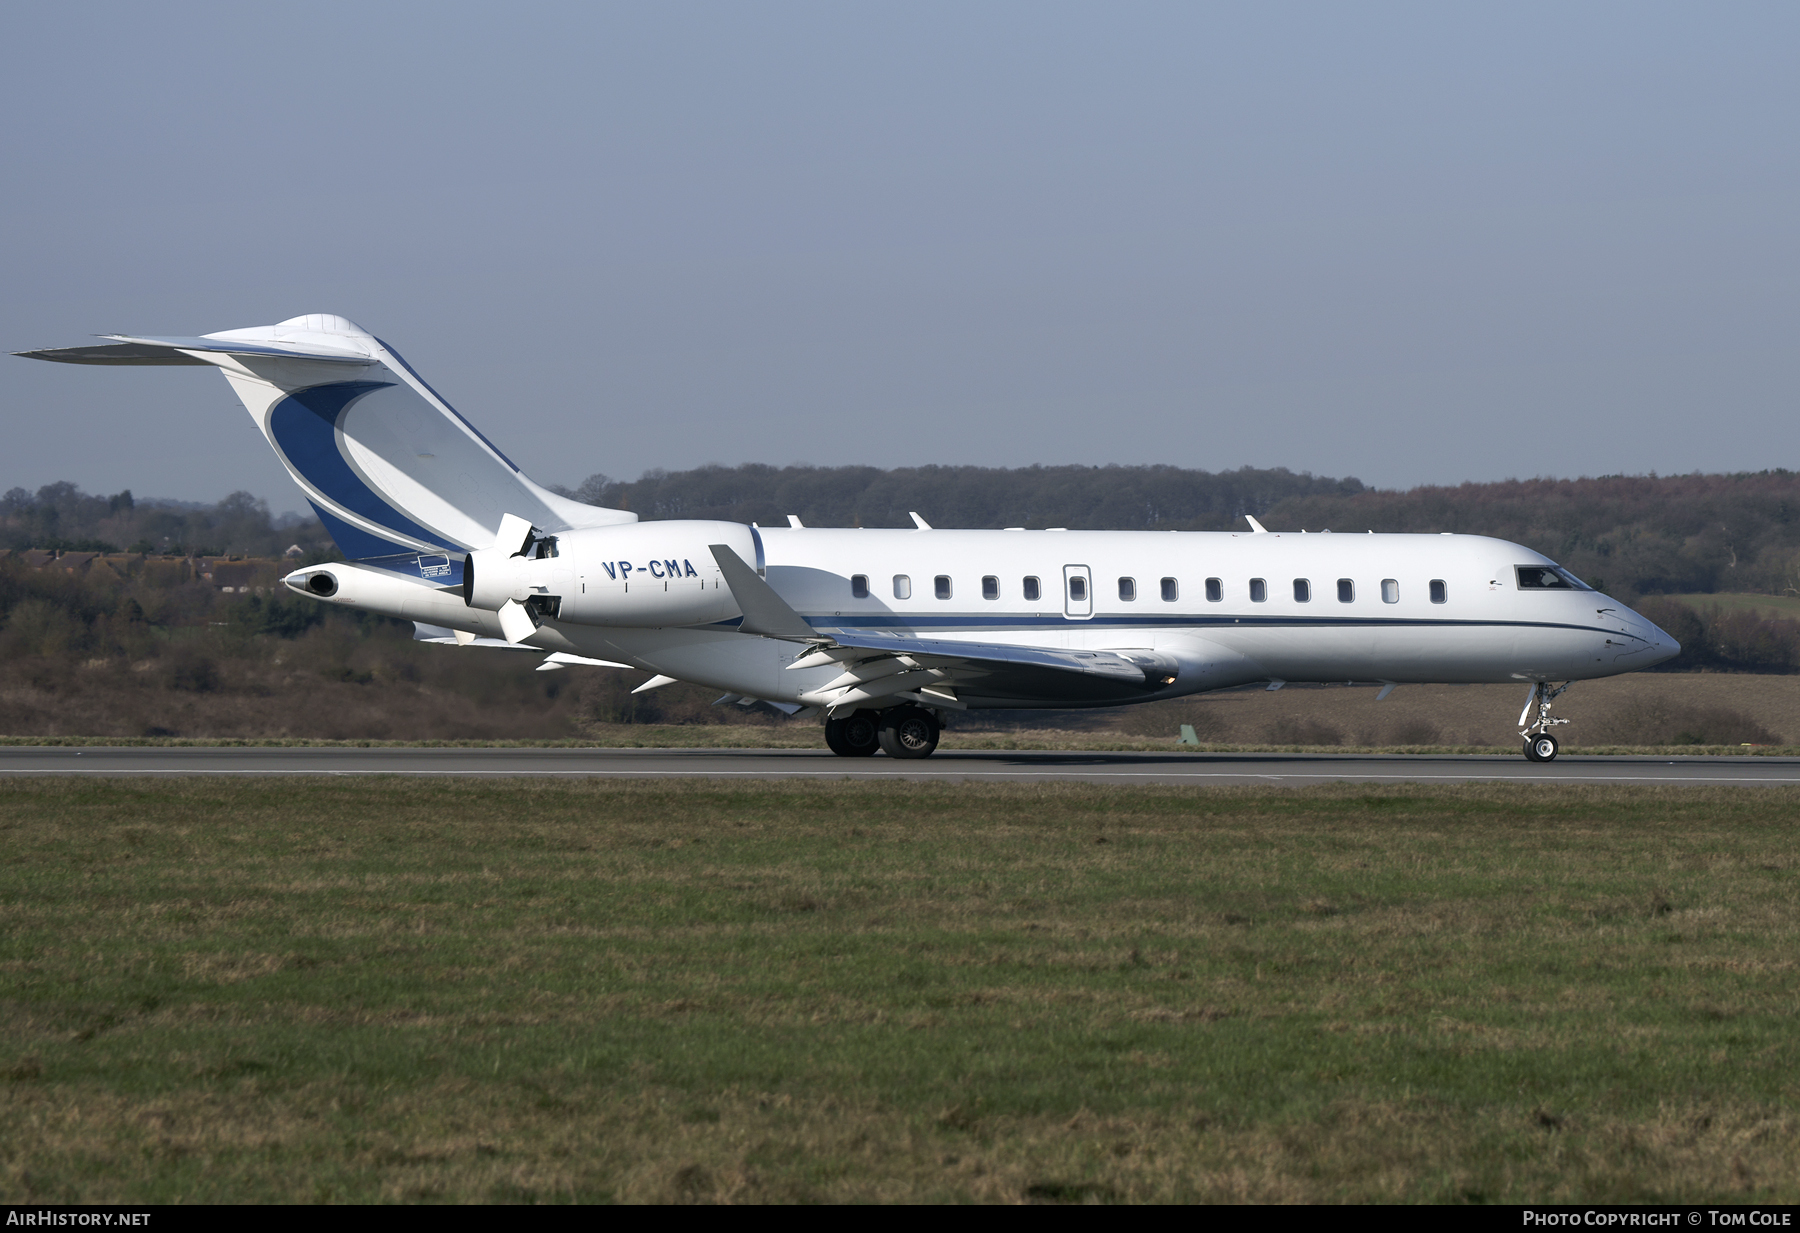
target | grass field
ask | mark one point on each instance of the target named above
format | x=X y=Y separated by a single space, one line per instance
x=385 y=989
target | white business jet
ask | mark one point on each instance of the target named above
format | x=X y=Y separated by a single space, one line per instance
x=881 y=632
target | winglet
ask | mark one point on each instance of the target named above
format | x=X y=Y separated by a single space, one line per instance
x=919 y=522
x=765 y=612
x=1256 y=526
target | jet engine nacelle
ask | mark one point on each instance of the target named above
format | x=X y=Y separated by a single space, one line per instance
x=644 y=574
x=357 y=585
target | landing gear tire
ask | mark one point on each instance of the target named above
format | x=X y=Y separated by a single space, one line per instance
x=908 y=732
x=1541 y=748
x=857 y=735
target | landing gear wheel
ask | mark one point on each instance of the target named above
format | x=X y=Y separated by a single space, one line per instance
x=1540 y=746
x=908 y=732
x=857 y=735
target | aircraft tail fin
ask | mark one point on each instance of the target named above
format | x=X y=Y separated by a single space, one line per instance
x=387 y=463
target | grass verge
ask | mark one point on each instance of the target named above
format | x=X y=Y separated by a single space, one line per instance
x=810 y=736
x=387 y=989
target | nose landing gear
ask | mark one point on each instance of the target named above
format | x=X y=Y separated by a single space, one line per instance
x=1540 y=746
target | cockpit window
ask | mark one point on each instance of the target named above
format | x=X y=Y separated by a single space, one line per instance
x=1548 y=578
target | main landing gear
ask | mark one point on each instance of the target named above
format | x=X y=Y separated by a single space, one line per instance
x=856 y=735
x=1540 y=746
x=899 y=732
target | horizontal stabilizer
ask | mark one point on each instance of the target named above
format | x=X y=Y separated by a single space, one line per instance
x=232 y=346
x=114 y=353
x=126 y=349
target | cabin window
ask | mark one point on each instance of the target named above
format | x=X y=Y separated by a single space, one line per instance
x=1077 y=588
x=1128 y=589
x=990 y=587
x=1390 y=591
x=1032 y=590
x=1346 y=591
x=1171 y=590
x=1439 y=592
x=1215 y=590
x=1259 y=591
x=859 y=586
x=1302 y=591
x=902 y=586
x=941 y=584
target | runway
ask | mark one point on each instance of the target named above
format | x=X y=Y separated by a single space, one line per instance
x=961 y=766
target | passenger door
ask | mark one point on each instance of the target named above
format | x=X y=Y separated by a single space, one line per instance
x=1078 y=593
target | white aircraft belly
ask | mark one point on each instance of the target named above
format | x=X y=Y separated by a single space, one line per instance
x=1407 y=652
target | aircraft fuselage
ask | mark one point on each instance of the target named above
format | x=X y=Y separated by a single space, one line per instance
x=1230 y=608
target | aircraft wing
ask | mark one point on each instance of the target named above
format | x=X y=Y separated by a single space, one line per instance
x=1122 y=667
x=940 y=671
x=947 y=672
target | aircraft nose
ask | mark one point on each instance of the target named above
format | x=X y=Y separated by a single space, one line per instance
x=1651 y=644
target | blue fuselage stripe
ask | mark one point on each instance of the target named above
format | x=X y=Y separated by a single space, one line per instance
x=304 y=427
x=353 y=542
x=1189 y=621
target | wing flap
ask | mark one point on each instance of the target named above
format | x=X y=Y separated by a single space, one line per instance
x=946 y=652
x=954 y=669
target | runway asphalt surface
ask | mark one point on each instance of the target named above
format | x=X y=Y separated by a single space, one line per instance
x=985 y=766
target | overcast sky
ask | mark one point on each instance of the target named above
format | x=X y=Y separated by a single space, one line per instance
x=1413 y=243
